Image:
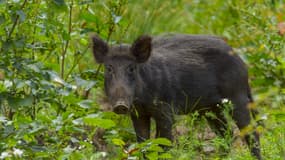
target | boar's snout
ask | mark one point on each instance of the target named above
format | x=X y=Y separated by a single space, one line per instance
x=121 y=107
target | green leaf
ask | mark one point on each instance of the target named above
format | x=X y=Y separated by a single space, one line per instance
x=54 y=77
x=71 y=99
x=88 y=17
x=85 y=104
x=118 y=142
x=165 y=156
x=65 y=35
x=86 y=84
x=36 y=130
x=21 y=15
x=98 y=122
x=34 y=67
x=2 y=19
x=98 y=155
x=279 y=116
x=16 y=102
x=116 y=18
x=161 y=141
x=59 y=2
x=155 y=147
x=152 y=155
x=59 y=5
x=39 y=150
x=83 y=41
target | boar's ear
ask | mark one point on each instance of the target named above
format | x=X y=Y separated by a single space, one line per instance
x=141 y=48
x=100 y=49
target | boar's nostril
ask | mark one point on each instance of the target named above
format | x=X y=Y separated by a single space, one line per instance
x=121 y=108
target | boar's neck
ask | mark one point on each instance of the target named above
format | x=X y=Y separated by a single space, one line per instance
x=154 y=81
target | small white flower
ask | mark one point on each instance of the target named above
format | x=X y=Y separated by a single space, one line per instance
x=3 y=119
x=225 y=100
x=104 y=154
x=81 y=147
x=264 y=117
x=73 y=87
x=8 y=123
x=18 y=152
x=68 y=149
x=8 y=83
x=4 y=155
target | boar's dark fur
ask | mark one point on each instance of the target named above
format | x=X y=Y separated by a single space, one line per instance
x=176 y=74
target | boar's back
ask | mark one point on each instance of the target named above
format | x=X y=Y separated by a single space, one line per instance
x=191 y=72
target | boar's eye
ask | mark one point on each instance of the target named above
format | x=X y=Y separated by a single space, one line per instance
x=109 y=68
x=131 y=69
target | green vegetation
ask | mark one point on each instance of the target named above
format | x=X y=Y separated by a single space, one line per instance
x=50 y=86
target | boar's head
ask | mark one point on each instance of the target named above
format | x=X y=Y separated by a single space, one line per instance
x=121 y=69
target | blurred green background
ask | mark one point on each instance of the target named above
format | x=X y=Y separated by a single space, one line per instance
x=51 y=88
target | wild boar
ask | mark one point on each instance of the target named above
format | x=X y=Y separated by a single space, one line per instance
x=157 y=77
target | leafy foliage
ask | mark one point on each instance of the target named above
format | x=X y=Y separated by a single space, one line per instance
x=50 y=87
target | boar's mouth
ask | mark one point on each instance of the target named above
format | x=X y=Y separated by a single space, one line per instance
x=121 y=107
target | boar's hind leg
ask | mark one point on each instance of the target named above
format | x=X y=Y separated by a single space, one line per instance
x=142 y=127
x=241 y=115
x=219 y=124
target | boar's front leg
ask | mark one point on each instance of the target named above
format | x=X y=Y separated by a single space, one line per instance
x=141 y=124
x=164 y=121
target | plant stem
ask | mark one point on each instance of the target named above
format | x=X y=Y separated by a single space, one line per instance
x=75 y=62
x=67 y=41
x=15 y=23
